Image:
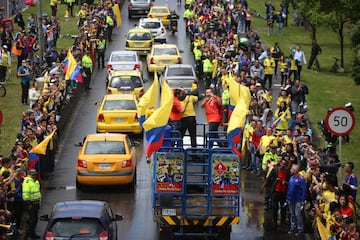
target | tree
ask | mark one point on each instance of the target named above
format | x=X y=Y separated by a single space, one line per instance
x=355 y=45
x=342 y=14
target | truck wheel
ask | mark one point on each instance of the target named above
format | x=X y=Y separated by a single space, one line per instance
x=224 y=234
x=165 y=235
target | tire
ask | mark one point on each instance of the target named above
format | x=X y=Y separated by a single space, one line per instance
x=165 y=235
x=129 y=15
x=2 y=90
x=132 y=185
x=79 y=186
x=224 y=234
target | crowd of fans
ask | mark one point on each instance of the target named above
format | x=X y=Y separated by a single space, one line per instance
x=25 y=166
x=298 y=177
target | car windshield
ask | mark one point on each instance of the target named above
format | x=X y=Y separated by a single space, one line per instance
x=139 y=36
x=121 y=104
x=77 y=228
x=105 y=147
x=123 y=58
x=126 y=82
x=175 y=72
x=150 y=25
x=165 y=51
x=159 y=10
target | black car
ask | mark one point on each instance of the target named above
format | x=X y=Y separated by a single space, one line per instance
x=84 y=219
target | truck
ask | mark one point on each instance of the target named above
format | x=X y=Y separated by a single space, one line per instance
x=195 y=191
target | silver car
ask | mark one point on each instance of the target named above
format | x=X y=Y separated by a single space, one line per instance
x=180 y=76
x=124 y=60
x=155 y=26
x=139 y=7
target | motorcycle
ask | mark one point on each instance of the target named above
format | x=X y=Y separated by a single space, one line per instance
x=173 y=27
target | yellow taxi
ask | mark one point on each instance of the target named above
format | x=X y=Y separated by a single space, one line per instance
x=118 y=113
x=161 y=12
x=161 y=55
x=106 y=159
x=139 y=40
x=127 y=81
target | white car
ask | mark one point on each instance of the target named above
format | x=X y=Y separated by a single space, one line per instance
x=124 y=60
x=155 y=26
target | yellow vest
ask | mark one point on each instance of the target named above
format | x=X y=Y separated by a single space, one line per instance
x=269 y=65
x=86 y=61
x=101 y=44
x=109 y=21
x=207 y=66
x=197 y=53
x=5 y=59
x=31 y=189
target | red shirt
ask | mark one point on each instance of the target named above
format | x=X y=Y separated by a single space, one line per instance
x=212 y=110
x=279 y=187
x=176 y=110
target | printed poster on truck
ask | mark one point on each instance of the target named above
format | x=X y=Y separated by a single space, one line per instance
x=225 y=174
x=169 y=172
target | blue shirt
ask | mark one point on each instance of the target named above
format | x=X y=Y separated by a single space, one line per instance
x=353 y=181
x=296 y=189
x=23 y=70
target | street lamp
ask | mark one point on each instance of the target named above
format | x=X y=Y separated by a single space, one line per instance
x=41 y=37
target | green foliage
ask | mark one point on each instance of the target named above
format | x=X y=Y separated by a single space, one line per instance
x=355 y=44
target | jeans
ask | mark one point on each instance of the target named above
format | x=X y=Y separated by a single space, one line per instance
x=280 y=28
x=254 y=166
x=296 y=219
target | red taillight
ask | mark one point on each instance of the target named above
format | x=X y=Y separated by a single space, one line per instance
x=151 y=44
x=101 y=118
x=109 y=67
x=49 y=236
x=152 y=60
x=136 y=119
x=179 y=60
x=109 y=91
x=141 y=93
x=126 y=163
x=136 y=66
x=82 y=163
x=149 y=16
x=104 y=235
x=127 y=44
x=130 y=5
x=150 y=5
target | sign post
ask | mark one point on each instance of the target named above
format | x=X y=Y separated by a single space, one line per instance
x=340 y=122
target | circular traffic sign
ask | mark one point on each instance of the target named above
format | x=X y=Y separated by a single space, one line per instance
x=340 y=121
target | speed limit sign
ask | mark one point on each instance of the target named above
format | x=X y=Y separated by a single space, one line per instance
x=340 y=121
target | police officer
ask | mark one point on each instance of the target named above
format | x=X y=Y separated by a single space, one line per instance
x=197 y=55
x=173 y=20
x=207 y=71
x=32 y=196
x=87 y=69
x=110 y=25
x=70 y=5
x=101 y=47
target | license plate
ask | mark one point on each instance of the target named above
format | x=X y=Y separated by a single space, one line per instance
x=104 y=166
x=138 y=44
x=140 y=11
x=119 y=120
x=165 y=61
x=168 y=212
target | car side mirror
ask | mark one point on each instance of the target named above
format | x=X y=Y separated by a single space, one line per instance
x=97 y=103
x=118 y=217
x=44 y=217
x=79 y=144
x=135 y=143
x=145 y=80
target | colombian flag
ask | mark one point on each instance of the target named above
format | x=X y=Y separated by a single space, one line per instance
x=117 y=15
x=238 y=118
x=148 y=100
x=41 y=147
x=70 y=65
x=279 y=120
x=155 y=125
x=76 y=75
x=234 y=93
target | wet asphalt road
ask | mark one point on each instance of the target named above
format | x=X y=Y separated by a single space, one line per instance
x=136 y=207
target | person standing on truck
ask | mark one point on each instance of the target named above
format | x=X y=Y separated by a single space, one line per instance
x=188 y=117
x=213 y=105
x=177 y=110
